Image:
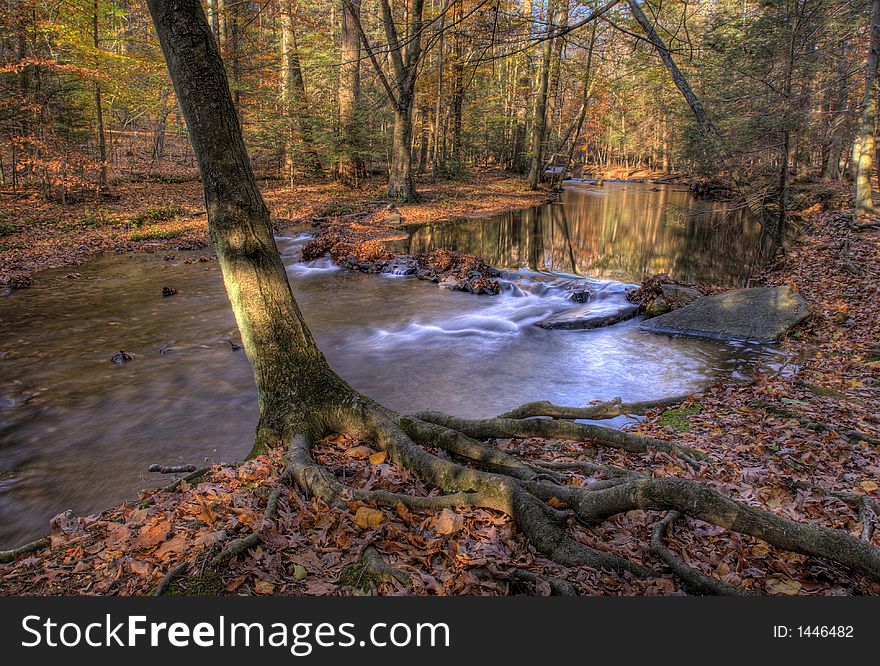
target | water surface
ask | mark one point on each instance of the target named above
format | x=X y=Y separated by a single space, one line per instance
x=78 y=432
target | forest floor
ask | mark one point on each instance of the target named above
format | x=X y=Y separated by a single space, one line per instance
x=157 y=216
x=801 y=439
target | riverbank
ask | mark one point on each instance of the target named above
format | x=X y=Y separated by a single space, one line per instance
x=156 y=217
x=800 y=439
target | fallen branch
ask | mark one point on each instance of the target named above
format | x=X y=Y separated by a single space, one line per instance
x=12 y=553
x=171 y=469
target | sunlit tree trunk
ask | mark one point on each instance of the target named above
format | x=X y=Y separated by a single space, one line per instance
x=865 y=162
x=292 y=377
x=678 y=78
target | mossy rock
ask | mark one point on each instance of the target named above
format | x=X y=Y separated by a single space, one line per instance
x=678 y=418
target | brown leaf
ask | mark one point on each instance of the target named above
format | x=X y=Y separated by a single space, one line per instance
x=151 y=534
x=358 y=452
x=447 y=522
x=171 y=547
x=782 y=585
x=264 y=587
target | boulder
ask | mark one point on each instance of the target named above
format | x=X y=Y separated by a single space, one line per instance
x=760 y=315
x=590 y=316
x=679 y=293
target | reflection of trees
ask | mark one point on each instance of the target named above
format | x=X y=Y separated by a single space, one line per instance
x=629 y=232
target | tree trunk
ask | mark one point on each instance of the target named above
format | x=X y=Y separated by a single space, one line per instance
x=864 y=195
x=540 y=125
x=99 y=109
x=678 y=78
x=349 y=167
x=292 y=377
x=401 y=185
x=293 y=95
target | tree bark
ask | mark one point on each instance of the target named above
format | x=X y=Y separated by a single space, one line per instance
x=293 y=95
x=865 y=163
x=349 y=167
x=99 y=109
x=681 y=82
x=539 y=126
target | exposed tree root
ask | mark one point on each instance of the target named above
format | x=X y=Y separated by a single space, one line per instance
x=600 y=411
x=536 y=495
x=559 y=429
x=33 y=546
x=558 y=586
x=696 y=580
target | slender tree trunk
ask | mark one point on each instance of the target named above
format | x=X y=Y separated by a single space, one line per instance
x=296 y=112
x=401 y=185
x=99 y=109
x=678 y=78
x=540 y=124
x=349 y=167
x=867 y=128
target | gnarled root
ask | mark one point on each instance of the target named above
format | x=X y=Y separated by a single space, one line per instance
x=558 y=429
x=536 y=495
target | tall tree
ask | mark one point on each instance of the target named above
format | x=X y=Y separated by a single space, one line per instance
x=868 y=126
x=539 y=124
x=349 y=166
x=400 y=88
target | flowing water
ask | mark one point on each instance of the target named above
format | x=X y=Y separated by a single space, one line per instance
x=78 y=431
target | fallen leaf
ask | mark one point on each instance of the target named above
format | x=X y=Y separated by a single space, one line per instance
x=299 y=572
x=171 y=547
x=448 y=522
x=378 y=458
x=781 y=585
x=366 y=517
x=358 y=452
x=264 y=587
x=869 y=486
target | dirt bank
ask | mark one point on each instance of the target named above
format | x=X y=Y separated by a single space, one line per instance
x=154 y=216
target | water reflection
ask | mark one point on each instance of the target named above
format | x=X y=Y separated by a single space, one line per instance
x=621 y=231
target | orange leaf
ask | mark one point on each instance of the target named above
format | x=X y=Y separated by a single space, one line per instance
x=367 y=517
x=378 y=458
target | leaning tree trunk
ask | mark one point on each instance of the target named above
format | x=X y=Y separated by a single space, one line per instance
x=865 y=163
x=302 y=400
x=292 y=376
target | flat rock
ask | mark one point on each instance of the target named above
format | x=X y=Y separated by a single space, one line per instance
x=760 y=315
x=590 y=316
x=680 y=293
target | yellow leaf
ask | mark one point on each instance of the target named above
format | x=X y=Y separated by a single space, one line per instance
x=781 y=585
x=264 y=587
x=367 y=517
x=378 y=458
x=869 y=486
x=760 y=550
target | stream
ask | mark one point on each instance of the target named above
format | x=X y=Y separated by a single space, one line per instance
x=78 y=431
